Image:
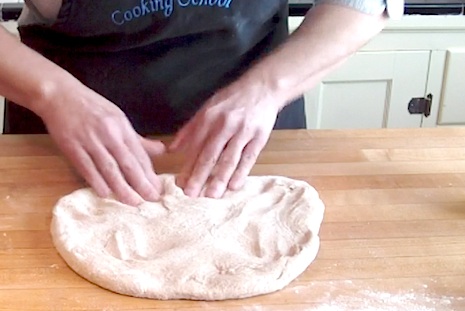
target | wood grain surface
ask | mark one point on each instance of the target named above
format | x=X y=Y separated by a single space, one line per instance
x=393 y=236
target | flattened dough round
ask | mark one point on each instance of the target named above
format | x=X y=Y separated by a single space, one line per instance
x=251 y=242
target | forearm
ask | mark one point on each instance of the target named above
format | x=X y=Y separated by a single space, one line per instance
x=328 y=36
x=28 y=78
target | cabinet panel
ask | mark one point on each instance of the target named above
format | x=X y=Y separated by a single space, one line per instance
x=371 y=90
x=434 y=86
x=410 y=78
x=349 y=104
x=452 y=105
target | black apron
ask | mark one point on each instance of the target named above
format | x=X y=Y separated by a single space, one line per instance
x=158 y=60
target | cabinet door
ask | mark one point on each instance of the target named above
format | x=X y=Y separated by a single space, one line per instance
x=452 y=102
x=371 y=90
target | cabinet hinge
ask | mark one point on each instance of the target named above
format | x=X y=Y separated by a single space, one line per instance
x=421 y=105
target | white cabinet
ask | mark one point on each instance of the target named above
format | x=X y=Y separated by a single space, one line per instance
x=452 y=102
x=372 y=90
x=412 y=57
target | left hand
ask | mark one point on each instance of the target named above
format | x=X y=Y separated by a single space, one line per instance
x=223 y=140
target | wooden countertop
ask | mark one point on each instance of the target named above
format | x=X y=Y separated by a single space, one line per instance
x=393 y=237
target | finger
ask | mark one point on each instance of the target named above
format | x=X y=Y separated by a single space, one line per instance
x=197 y=137
x=110 y=171
x=137 y=150
x=248 y=159
x=140 y=177
x=226 y=166
x=181 y=137
x=206 y=161
x=154 y=148
x=86 y=167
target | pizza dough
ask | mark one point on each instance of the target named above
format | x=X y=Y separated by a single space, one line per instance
x=251 y=242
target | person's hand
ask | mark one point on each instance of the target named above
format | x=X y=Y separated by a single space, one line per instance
x=103 y=146
x=223 y=140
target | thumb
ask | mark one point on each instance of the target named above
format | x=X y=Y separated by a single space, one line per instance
x=153 y=147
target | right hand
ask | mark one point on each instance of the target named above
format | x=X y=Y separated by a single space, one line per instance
x=103 y=146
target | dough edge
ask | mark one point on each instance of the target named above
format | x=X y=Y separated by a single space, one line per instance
x=122 y=284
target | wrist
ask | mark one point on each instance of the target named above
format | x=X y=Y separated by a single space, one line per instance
x=48 y=94
x=270 y=89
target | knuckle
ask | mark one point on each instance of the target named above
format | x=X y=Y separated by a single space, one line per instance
x=228 y=161
x=247 y=125
x=111 y=172
x=110 y=127
x=209 y=114
x=109 y=168
x=227 y=120
x=206 y=160
x=249 y=155
x=106 y=125
x=222 y=177
x=126 y=166
x=223 y=119
x=241 y=172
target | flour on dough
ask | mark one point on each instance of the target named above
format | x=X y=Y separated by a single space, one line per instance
x=251 y=242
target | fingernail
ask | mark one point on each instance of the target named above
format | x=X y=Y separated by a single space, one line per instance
x=158 y=187
x=153 y=197
x=104 y=194
x=215 y=191
x=134 y=202
x=234 y=185
x=191 y=192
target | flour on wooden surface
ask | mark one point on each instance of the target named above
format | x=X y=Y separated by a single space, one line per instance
x=368 y=300
x=347 y=295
